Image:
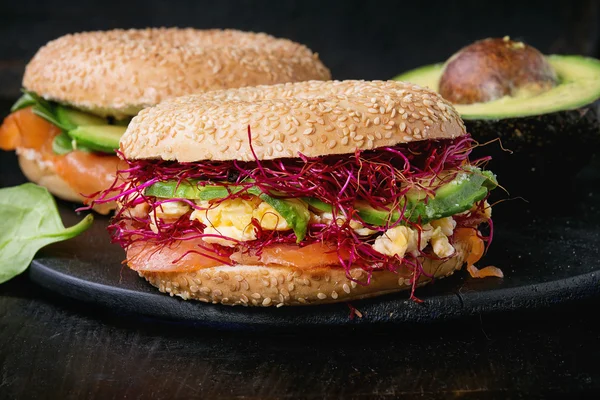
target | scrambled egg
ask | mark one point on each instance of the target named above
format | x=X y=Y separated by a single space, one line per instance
x=269 y=218
x=402 y=239
x=233 y=219
x=327 y=217
x=169 y=210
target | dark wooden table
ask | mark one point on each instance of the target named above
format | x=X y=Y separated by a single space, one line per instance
x=51 y=347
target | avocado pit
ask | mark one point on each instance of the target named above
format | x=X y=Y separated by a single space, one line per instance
x=493 y=68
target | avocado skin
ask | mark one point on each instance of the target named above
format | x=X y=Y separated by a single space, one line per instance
x=548 y=149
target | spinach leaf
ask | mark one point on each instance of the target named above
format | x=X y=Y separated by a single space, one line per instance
x=24 y=101
x=30 y=221
x=41 y=108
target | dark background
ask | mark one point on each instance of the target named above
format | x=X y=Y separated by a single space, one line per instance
x=356 y=39
x=51 y=347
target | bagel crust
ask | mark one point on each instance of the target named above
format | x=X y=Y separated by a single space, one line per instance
x=120 y=72
x=251 y=285
x=314 y=118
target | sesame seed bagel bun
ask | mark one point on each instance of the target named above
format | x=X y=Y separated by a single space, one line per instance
x=120 y=72
x=273 y=285
x=313 y=118
x=42 y=173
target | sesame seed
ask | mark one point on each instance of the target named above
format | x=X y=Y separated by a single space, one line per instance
x=321 y=296
x=205 y=290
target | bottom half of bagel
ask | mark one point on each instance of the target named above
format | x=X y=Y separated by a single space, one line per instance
x=277 y=285
x=69 y=181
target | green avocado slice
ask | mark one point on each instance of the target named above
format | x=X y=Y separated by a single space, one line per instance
x=104 y=138
x=455 y=197
x=318 y=204
x=62 y=144
x=579 y=85
x=294 y=211
x=71 y=119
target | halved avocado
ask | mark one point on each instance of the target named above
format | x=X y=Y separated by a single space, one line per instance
x=552 y=135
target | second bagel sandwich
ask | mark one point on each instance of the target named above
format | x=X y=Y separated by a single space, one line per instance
x=81 y=91
x=301 y=193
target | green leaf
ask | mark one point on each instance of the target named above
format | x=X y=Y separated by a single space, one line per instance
x=48 y=115
x=42 y=108
x=24 y=101
x=30 y=221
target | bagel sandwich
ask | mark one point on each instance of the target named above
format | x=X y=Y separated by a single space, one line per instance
x=299 y=193
x=81 y=90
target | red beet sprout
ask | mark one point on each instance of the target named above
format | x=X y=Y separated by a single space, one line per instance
x=381 y=178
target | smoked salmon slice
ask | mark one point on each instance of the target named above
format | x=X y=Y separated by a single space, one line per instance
x=181 y=256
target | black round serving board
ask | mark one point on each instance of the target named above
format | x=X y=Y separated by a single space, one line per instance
x=547 y=257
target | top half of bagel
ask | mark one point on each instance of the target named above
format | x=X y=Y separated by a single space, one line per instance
x=119 y=72
x=314 y=118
